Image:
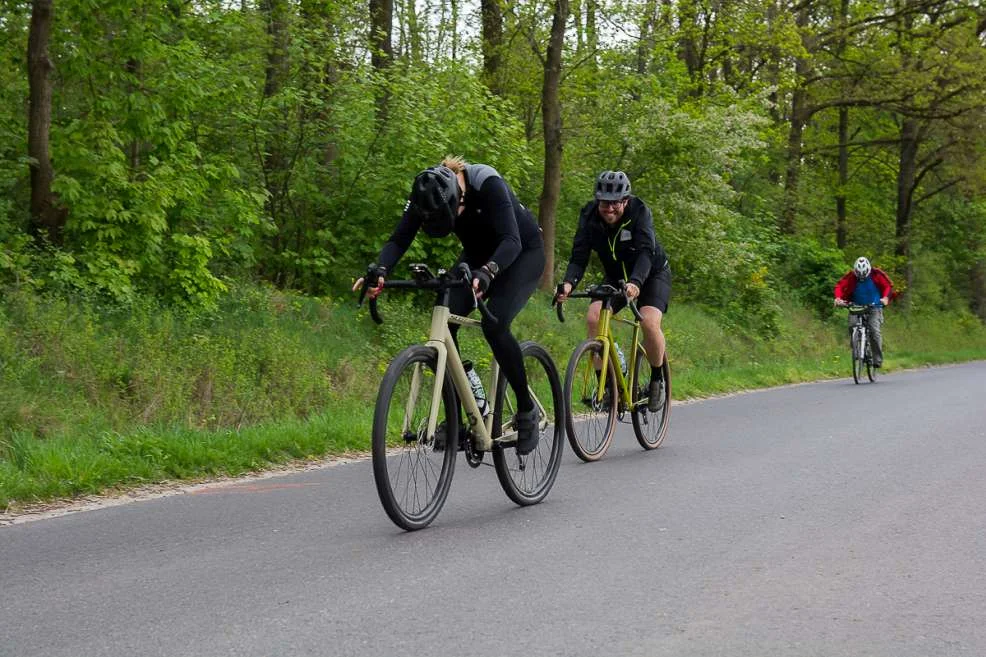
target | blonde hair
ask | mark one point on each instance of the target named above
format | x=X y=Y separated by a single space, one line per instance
x=455 y=162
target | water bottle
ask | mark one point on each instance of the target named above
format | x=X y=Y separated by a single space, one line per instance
x=477 y=388
x=622 y=359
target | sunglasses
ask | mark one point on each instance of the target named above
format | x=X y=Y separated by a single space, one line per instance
x=611 y=204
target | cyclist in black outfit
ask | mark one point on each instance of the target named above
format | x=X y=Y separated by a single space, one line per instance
x=503 y=247
x=620 y=229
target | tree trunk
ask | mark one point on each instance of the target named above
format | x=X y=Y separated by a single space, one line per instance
x=645 y=47
x=134 y=149
x=273 y=161
x=276 y=13
x=454 y=20
x=800 y=113
x=687 y=48
x=591 y=30
x=792 y=174
x=551 y=120
x=47 y=219
x=977 y=289
x=493 y=45
x=840 y=197
x=381 y=33
x=906 y=181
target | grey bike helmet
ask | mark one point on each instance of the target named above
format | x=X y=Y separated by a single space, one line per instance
x=612 y=186
x=862 y=268
x=435 y=198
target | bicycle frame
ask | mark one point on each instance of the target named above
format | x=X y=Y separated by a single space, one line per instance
x=606 y=316
x=448 y=357
x=440 y=339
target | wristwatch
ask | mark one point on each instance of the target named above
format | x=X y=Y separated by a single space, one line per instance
x=493 y=267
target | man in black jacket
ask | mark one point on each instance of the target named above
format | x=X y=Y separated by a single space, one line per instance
x=620 y=229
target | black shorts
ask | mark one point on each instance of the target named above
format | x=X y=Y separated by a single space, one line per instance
x=656 y=291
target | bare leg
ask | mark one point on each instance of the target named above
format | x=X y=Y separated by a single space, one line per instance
x=592 y=319
x=653 y=335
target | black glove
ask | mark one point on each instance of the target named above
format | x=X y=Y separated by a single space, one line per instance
x=374 y=272
x=485 y=278
x=560 y=290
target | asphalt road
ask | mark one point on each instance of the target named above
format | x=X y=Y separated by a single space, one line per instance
x=821 y=519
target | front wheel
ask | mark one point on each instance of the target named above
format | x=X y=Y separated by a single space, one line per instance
x=590 y=417
x=413 y=470
x=857 y=355
x=651 y=428
x=870 y=368
x=527 y=479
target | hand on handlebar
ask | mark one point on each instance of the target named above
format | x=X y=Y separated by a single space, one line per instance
x=375 y=273
x=481 y=280
x=562 y=292
x=632 y=291
x=841 y=302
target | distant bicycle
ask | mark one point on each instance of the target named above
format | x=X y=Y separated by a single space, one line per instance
x=598 y=391
x=859 y=342
x=416 y=422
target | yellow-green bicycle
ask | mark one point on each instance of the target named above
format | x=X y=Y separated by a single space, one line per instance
x=597 y=390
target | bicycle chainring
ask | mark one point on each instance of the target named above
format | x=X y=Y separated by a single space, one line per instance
x=473 y=456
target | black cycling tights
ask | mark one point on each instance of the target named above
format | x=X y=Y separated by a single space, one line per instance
x=507 y=295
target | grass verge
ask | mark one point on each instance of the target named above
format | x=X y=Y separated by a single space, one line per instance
x=95 y=398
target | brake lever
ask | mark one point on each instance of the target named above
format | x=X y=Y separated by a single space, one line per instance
x=374 y=313
x=558 y=309
x=630 y=302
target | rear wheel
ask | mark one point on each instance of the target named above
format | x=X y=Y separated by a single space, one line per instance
x=527 y=479
x=590 y=418
x=411 y=469
x=650 y=428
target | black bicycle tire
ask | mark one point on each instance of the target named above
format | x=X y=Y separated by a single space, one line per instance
x=381 y=475
x=571 y=375
x=870 y=367
x=639 y=411
x=857 y=362
x=502 y=453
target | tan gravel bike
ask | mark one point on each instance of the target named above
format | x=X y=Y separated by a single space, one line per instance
x=416 y=419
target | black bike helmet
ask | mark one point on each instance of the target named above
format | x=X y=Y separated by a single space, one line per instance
x=435 y=198
x=612 y=186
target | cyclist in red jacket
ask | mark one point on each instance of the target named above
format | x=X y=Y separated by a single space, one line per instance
x=869 y=286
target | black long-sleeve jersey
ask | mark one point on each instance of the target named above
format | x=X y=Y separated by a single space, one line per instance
x=493 y=226
x=628 y=250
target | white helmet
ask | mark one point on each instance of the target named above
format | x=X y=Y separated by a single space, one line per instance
x=862 y=268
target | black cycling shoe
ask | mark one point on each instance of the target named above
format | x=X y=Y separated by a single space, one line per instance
x=655 y=395
x=528 y=434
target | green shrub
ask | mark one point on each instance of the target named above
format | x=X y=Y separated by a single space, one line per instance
x=810 y=271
